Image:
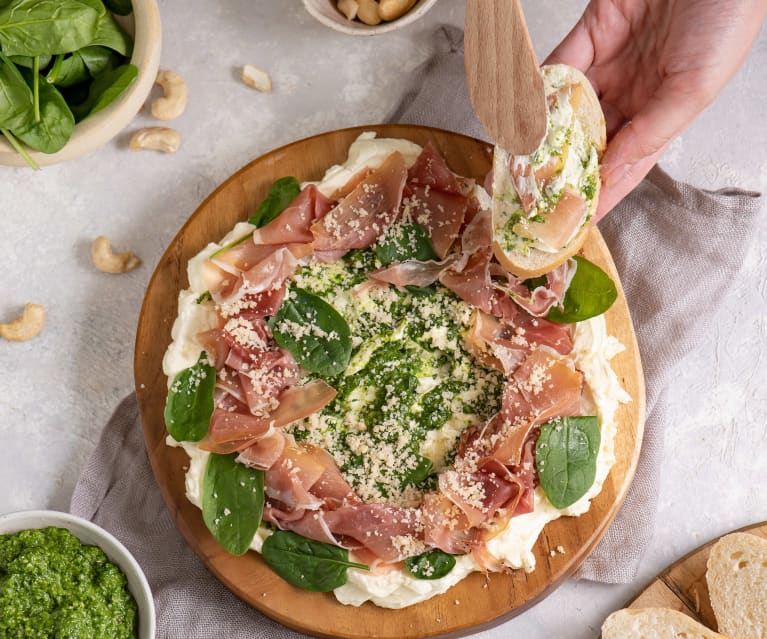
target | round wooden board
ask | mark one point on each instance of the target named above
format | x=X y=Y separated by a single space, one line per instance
x=682 y=586
x=467 y=607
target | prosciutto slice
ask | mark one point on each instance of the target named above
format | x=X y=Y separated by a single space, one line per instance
x=293 y=224
x=430 y=169
x=440 y=213
x=371 y=207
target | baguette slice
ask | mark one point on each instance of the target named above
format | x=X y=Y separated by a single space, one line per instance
x=589 y=122
x=737 y=585
x=654 y=623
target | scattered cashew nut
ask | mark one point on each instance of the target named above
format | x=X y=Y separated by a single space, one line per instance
x=25 y=327
x=156 y=138
x=393 y=9
x=368 y=12
x=349 y=8
x=256 y=78
x=104 y=259
x=174 y=99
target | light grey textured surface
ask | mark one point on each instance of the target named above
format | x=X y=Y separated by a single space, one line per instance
x=57 y=391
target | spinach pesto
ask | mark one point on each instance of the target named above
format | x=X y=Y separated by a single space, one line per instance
x=54 y=587
x=410 y=388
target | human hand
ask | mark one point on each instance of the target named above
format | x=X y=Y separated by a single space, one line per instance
x=655 y=64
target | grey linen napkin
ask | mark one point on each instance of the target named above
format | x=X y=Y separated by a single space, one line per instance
x=664 y=226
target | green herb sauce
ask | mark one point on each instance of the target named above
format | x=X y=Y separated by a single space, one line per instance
x=409 y=375
x=54 y=587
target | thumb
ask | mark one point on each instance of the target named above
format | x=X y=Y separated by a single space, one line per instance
x=636 y=148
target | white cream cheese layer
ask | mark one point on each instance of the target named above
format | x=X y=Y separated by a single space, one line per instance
x=593 y=349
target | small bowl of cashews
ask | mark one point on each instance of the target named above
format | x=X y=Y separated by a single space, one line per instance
x=367 y=17
x=143 y=25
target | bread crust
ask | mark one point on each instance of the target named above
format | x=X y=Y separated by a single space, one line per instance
x=535 y=262
x=654 y=623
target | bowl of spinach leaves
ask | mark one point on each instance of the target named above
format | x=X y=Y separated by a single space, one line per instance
x=73 y=74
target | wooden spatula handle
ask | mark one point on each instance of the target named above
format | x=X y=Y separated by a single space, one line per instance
x=505 y=84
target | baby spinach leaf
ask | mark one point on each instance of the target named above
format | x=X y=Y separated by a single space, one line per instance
x=420 y=291
x=306 y=563
x=535 y=282
x=405 y=242
x=232 y=502
x=590 y=293
x=46 y=27
x=119 y=7
x=28 y=61
x=313 y=331
x=566 y=458
x=190 y=401
x=98 y=59
x=106 y=88
x=419 y=473
x=54 y=129
x=111 y=35
x=280 y=195
x=19 y=149
x=434 y=564
x=71 y=71
x=16 y=100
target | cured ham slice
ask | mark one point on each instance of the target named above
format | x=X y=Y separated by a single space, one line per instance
x=270 y=273
x=440 y=213
x=295 y=403
x=366 y=212
x=562 y=222
x=411 y=273
x=430 y=169
x=543 y=387
x=263 y=453
x=539 y=301
x=307 y=523
x=293 y=224
x=383 y=529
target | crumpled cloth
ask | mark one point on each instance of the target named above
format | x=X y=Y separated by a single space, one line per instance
x=696 y=239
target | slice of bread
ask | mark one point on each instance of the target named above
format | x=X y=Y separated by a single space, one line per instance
x=588 y=117
x=654 y=623
x=737 y=585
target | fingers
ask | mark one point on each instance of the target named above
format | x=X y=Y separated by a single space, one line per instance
x=636 y=147
x=576 y=49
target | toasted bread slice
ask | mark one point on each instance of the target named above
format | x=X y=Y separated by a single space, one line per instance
x=543 y=203
x=654 y=623
x=737 y=585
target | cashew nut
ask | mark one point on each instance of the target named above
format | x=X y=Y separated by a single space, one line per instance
x=368 y=12
x=349 y=8
x=156 y=138
x=175 y=94
x=256 y=78
x=104 y=259
x=25 y=327
x=393 y=9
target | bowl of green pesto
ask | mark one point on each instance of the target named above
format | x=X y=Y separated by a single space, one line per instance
x=62 y=577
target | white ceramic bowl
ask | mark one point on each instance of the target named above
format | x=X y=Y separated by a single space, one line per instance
x=326 y=11
x=93 y=132
x=89 y=533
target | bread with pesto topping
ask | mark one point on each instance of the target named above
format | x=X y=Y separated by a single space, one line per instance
x=544 y=203
x=654 y=623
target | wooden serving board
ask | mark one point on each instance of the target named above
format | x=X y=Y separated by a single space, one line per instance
x=477 y=602
x=682 y=586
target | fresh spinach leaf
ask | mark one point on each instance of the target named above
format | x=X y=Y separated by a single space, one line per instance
x=111 y=35
x=119 y=7
x=232 y=502
x=535 y=282
x=306 y=563
x=405 y=242
x=434 y=564
x=280 y=195
x=590 y=293
x=106 y=88
x=71 y=71
x=313 y=331
x=98 y=59
x=566 y=458
x=419 y=473
x=16 y=100
x=20 y=149
x=190 y=401
x=54 y=129
x=28 y=61
x=46 y=27
x=420 y=291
